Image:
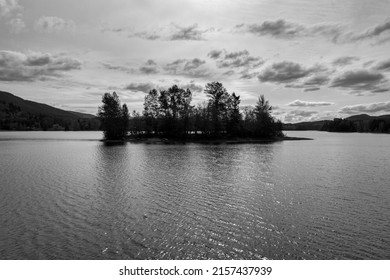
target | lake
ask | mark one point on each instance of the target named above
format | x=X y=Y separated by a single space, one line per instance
x=66 y=195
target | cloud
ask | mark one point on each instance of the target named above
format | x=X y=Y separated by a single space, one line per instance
x=150 y=67
x=187 y=33
x=299 y=115
x=312 y=83
x=16 y=66
x=192 y=86
x=247 y=75
x=242 y=58
x=372 y=32
x=368 y=63
x=235 y=55
x=214 y=54
x=284 y=72
x=345 y=60
x=299 y=103
x=172 y=32
x=121 y=68
x=278 y=29
x=174 y=66
x=361 y=81
x=317 y=80
x=38 y=59
x=383 y=65
x=151 y=35
x=9 y=7
x=143 y=87
x=228 y=73
x=148 y=86
x=187 y=67
x=49 y=24
x=312 y=89
x=12 y=12
x=234 y=60
x=366 y=108
x=16 y=25
x=281 y=29
x=191 y=67
x=193 y=64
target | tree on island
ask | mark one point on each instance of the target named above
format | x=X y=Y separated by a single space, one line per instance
x=114 y=117
x=168 y=113
x=264 y=121
x=234 y=115
x=218 y=102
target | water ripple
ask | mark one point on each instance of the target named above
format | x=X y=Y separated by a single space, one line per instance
x=84 y=200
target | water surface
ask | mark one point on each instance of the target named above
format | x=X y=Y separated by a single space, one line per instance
x=65 y=195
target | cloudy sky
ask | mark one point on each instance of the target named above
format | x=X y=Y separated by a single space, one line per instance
x=312 y=59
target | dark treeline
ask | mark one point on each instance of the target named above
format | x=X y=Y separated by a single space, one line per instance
x=375 y=125
x=169 y=114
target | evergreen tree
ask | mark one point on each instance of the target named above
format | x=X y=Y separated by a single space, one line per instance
x=114 y=117
x=218 y=103
x=264 y=121
x=151 y=111
x=234 y=115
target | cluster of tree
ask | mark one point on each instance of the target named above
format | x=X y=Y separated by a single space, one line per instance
x=169 y=113
x=12 y=117
x=378 y=125
x=315 y=125
x=339 y=125
x=375 y=125
x=114 y=117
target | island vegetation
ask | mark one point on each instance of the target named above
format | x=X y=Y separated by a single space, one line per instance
x=169 y=114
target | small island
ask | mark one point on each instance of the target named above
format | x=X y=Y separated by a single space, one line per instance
x=168 y=117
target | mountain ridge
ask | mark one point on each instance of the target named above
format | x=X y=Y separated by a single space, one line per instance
x=355 y=123
x=17 y=113
x=36 y=107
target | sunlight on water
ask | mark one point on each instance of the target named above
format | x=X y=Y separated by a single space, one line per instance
x=322 y=199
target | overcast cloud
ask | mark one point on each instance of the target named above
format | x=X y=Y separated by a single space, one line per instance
x=361 y=81
x=301 y=55
x=299 y=103
x=383 y=107
x=16 y=66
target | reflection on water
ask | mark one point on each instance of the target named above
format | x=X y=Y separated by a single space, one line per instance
x=321 y=199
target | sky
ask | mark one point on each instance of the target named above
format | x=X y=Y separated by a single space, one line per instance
x=312 y=60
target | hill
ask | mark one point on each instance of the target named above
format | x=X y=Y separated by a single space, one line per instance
x=20 y=114
x=357 y=123
x=316 y=125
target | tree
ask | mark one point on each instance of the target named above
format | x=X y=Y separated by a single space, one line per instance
x=114 y=117
x=234 y=115
x=168 y=111
x=201 y=115
x=185 y=111
x=125 y=119
x=265 y=124
x=136 y=123
x=218 y=102
x=151 y=111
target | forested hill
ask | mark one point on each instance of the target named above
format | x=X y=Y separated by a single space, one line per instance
x=357 y=123
x=20 y=114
